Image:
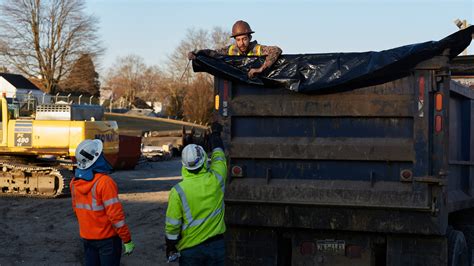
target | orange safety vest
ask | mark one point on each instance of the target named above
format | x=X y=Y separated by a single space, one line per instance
x=256 y=51
x=98 y=209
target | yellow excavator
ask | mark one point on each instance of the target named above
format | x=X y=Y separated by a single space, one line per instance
x=36 y=153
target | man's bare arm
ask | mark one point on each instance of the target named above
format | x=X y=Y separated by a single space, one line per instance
x=272 y=53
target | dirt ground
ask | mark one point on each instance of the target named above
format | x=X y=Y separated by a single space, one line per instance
x=45 y=231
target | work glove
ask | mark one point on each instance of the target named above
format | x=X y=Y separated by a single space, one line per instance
x=192 y=55
x=216 y=141
x=216 y=128
x=170 y=247
x=129 y=247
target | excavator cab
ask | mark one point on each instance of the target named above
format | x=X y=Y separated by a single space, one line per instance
x=11 y=109
x=4 y=115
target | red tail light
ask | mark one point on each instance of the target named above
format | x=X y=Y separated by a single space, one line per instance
x=406 y=175
x=237 y=171
x=438 y=123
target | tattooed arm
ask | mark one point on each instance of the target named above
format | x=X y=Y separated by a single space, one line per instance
x=272 y=53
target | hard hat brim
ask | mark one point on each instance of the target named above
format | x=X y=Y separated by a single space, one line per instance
x=243 y=33
x=193 y=167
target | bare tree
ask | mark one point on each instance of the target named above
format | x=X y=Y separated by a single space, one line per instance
x=125 y=77
x=153 y=82
x=194 y=92
x=43 y=38
x=198 y=101
x=131 y=78
x=195 y=40
x=174 y=98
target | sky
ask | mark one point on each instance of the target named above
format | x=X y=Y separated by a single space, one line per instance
x=153 y=28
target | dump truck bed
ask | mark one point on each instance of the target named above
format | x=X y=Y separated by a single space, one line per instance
x=381 y=149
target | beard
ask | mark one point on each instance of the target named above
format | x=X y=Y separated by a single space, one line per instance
x=243 y=49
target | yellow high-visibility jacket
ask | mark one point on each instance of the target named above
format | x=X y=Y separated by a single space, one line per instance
x=255 y=51
x=196 y=204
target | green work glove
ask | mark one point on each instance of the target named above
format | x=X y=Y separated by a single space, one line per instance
x=129 y=247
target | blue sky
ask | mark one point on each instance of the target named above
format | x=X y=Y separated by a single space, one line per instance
x=152 y=28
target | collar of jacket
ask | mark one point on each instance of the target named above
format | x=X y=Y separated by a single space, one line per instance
x=252 y=45
x=84 y=186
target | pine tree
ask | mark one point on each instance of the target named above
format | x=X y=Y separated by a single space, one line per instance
x=83 y=78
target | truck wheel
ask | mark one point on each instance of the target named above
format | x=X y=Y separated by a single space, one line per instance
x=457 y=248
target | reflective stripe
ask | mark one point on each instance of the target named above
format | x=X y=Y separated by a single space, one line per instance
x=219 y=157
x=221 y=180
x=94 y=206
x=234 y=50
x=184 y=202
x=187 y=211
x=172 y=237
x=83 y=206
x=111 y=201
x=173 y=221
x=201 y=221
x=94 y=198
x=119 y=224
x=217 y=149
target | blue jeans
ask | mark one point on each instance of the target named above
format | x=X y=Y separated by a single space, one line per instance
x=208 y=253
x=103 y=252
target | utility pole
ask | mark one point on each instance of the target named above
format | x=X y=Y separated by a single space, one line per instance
x=462 y=24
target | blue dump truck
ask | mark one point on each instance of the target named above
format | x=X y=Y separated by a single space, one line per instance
x=378 y=174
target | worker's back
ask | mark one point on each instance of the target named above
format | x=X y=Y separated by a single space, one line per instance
x=200 y=197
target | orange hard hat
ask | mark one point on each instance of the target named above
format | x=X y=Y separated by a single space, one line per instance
x=240 y=28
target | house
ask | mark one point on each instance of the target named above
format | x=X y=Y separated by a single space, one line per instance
x=158 y=108
x=19 y=87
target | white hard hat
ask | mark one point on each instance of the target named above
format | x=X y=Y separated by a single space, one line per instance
x=193 y=156
x=87 y=152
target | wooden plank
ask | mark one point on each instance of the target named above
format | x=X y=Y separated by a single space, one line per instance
x=323 y=105
x=370 y=149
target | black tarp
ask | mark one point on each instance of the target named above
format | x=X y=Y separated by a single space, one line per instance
x=333 y=72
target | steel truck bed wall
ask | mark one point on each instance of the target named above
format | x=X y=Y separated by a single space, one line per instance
x=391 y=158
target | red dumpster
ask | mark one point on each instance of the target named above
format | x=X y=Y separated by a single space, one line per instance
x=129 y=153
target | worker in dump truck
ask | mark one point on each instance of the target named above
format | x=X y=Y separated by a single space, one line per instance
x=195 y=215
x=242 y=34
x=97 y=207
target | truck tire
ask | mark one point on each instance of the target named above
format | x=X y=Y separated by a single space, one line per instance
x=457 y=248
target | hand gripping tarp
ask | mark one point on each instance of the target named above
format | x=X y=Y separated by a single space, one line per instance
x=333 y=72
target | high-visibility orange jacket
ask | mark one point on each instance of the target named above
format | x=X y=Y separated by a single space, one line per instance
x=98 y=209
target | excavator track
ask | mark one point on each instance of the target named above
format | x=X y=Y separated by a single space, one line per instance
x=19 y=179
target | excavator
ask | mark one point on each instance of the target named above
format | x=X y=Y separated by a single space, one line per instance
x=37 y=152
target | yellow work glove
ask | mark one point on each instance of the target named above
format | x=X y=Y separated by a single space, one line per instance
x=129 y=247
